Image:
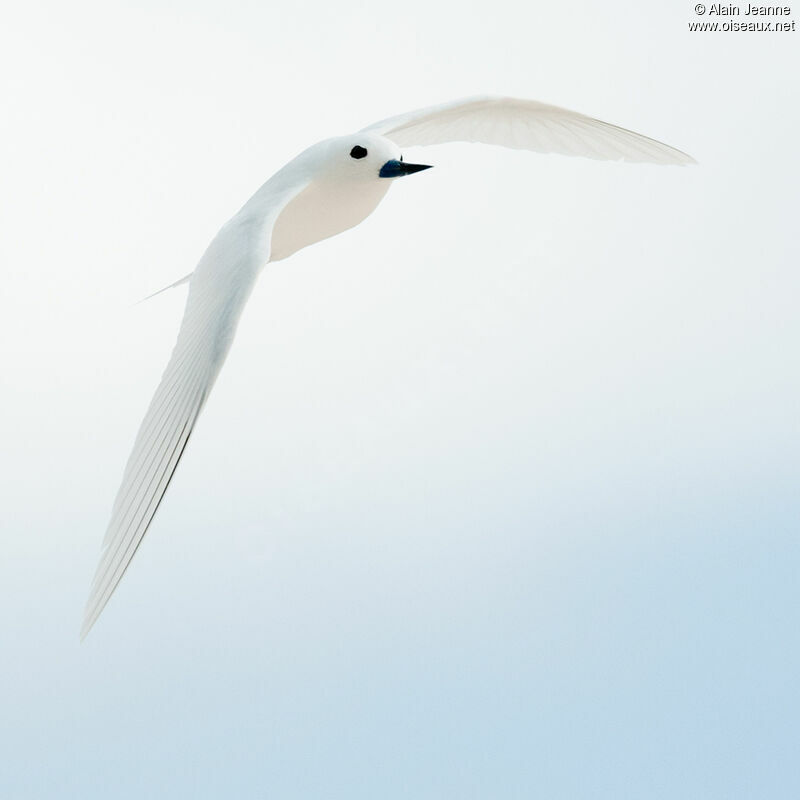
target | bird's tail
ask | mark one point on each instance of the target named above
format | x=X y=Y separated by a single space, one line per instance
x=184 y=279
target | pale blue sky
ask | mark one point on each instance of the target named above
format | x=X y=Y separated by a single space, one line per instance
x=497 y=495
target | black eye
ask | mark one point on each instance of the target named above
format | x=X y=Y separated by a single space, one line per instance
x=358 y=151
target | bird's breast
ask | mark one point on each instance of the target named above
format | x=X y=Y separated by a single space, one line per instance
x=321 y=210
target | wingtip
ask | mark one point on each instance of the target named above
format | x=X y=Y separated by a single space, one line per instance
x=86 y=626
x=92 y=611
x=673 y=158
x=683 y=159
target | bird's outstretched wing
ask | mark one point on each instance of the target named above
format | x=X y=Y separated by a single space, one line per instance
x=525 y=125
x=218 y=291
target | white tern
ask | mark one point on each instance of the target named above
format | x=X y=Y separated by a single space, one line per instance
x=328 y=188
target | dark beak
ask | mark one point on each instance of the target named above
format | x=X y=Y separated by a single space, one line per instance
x=396 y=169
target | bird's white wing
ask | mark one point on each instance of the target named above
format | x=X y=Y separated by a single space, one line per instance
x=524 y=125
x=218 y=291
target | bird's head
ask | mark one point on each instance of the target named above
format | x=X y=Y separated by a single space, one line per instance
x=366 y=157
x=340 y=182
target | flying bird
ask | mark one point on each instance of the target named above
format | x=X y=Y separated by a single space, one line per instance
x=330 y=187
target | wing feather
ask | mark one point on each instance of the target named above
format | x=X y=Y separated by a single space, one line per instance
x=218 y=291
x=525 y=125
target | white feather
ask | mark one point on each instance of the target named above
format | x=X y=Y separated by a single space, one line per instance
x=524 y=125
x=218 y=291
